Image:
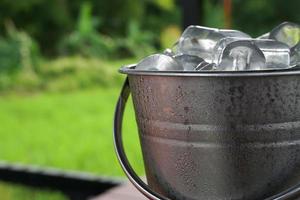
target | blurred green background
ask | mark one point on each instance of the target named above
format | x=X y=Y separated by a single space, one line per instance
x=59 y=80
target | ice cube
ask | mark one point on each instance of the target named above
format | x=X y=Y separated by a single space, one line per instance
x=159 y=62
x=206 y=66
x=264 y=36
x=241 y=55
x=233 y=33
x=276 y=54
x=295 y=55
x=220 y=46
x=168 y=52
x=200 y=41
x=189 y=62
x=287 y=32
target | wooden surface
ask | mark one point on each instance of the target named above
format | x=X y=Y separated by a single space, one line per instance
x=123 y=192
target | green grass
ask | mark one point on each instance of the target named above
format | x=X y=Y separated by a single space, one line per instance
x=71 y=131
x=15 y=192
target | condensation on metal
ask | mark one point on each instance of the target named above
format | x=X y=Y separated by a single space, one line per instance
x=253 y=116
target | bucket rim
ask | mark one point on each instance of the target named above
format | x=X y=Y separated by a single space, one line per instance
x=129 y=70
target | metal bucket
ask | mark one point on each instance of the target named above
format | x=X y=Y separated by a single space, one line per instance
x=215 y=135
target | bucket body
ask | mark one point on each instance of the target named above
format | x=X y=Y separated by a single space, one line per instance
x=218 y=137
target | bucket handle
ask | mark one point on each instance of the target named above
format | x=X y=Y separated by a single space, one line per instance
x=132 y=176
x=289 y=194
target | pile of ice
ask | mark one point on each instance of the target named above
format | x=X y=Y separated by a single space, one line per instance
x=203 y=48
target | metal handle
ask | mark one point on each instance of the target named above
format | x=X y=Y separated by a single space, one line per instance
x=289 y=194
x=132 y=176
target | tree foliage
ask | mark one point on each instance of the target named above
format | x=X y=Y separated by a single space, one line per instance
x=50 y=21
x=260 y=16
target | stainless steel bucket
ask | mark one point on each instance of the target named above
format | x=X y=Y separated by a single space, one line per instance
x=215 y=135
